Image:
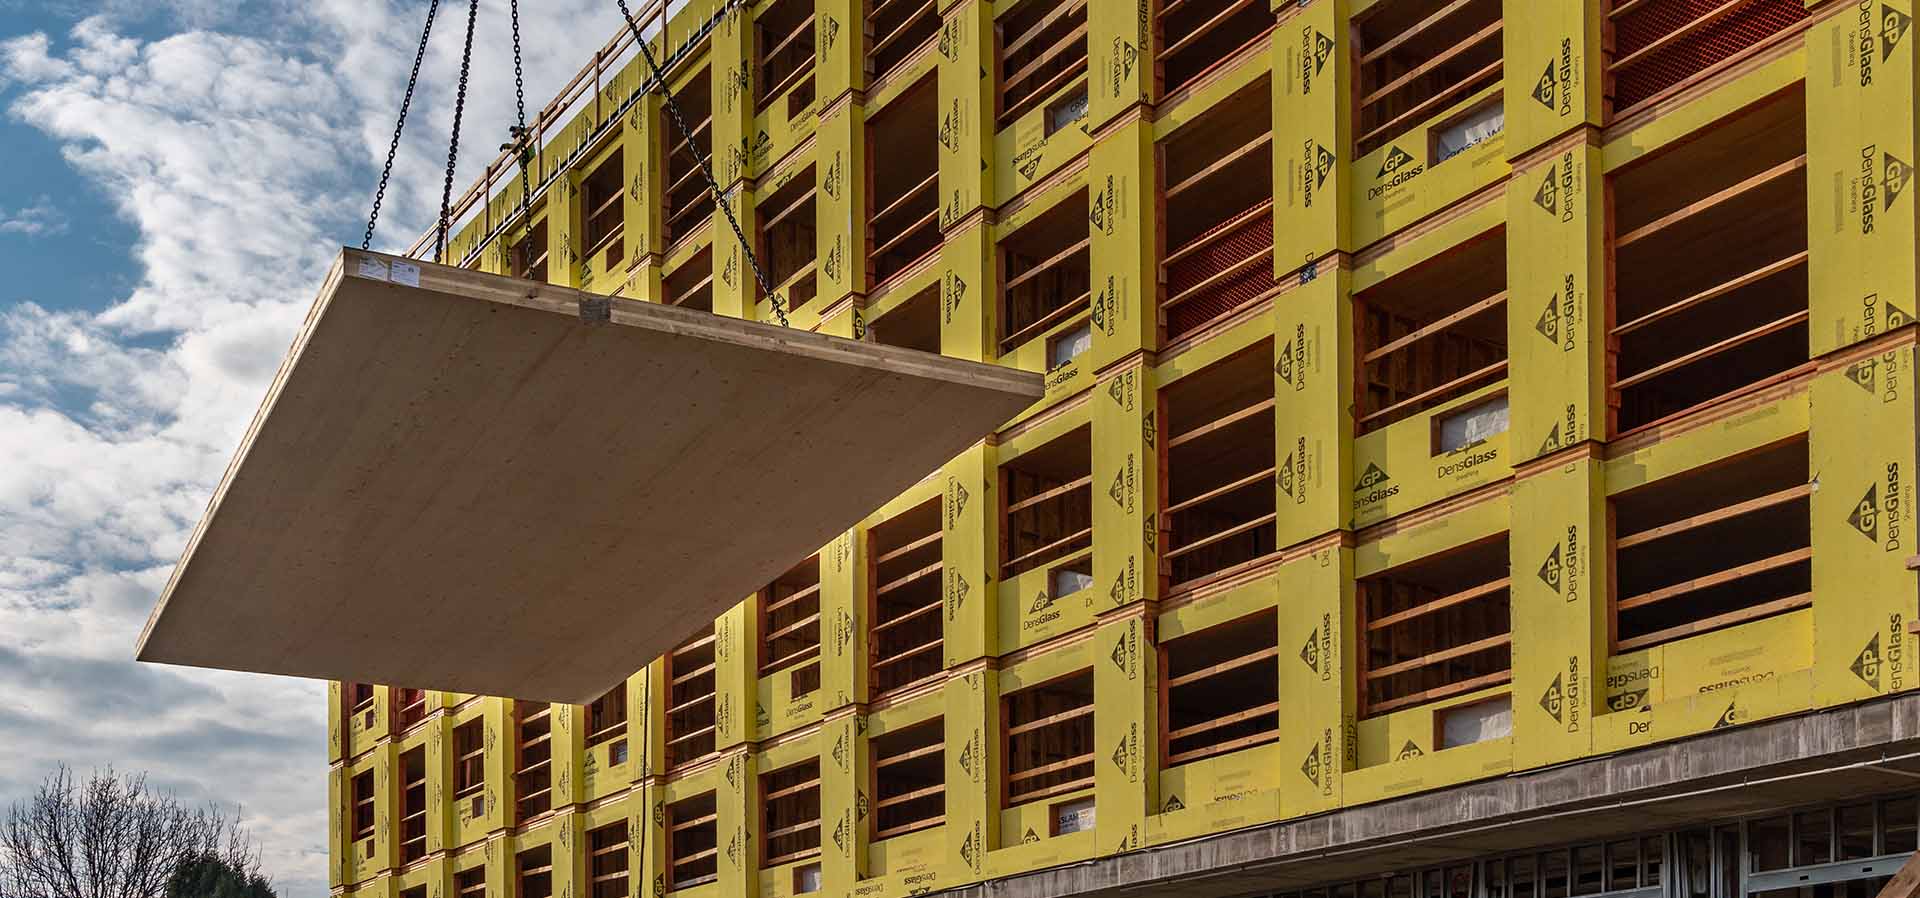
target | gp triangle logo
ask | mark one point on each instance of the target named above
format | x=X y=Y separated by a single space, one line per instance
x=1548 y=196
x=1893 y=27
x=1030 y=836
x=1550 y=569
x=1396 y=158
x=1283 y=366
x=1894 y=177
x=1173 y=804
x=1549 y=322
x=1118 y=491
x=1285 y=477
x=1119 y=654
x=1552 y=442
x=1409 y=750
x=1322 y=51
x=1323 y=165
x=1727 y=718
x=1311 y=766
x=1310 y=653
x=1862 y=374
x=1120 y=755
x=966 y=759
x=1866 y=514
x=1866 y=665
x=1896 y=317
x=1098 y=213
x=1553 y=701
x=1544 y=89
x=1041 y=603
x=1371 y=477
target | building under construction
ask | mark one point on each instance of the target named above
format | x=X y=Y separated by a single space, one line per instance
x=1476 y=461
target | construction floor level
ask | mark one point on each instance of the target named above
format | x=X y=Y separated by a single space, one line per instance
x=1476 y=461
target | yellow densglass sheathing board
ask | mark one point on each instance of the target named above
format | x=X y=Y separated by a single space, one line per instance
x=1318 y=623
x=563 y=253
x=972 y=761
x=1861 y=149
x=643 y=163
x=1559 y=604
x=840 y=49
x=1126 y=729
x=1126 y=480
x=840 y=203
x=1122 y=227
x=736 y=650
x=844 y=621
x=1549 y=45
x=1862 y=451
x=966 y=107
x=1312 y=133
x=1314 y=369
x=969 y=294
x=1120 y=58
x=844 y=802
x=1556 y=312
x=970 y=556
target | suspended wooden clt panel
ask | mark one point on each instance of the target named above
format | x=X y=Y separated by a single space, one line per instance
x=555 y=485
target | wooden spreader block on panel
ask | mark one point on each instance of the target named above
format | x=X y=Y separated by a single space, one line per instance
x=474 y=483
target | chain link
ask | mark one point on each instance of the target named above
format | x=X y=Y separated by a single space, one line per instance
x=386 y=171
x=524 y=151
x=453 y=141
x=680 y=124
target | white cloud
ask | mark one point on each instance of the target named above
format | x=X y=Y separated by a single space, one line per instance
x=41 y=218
x=241 y=160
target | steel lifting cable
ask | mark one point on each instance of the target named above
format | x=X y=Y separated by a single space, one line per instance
x=713 y=186
x=386 y=172
x=453 y=140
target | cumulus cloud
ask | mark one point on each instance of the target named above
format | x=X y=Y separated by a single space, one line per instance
x=242 y=150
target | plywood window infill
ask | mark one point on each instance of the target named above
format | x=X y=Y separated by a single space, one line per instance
x=789 y=241
x=790 y=627
x=896 y=29
x=607 y=861
x=909 y=782
x=1049 y=738
x=1709 y=254
x=1217 y=180
x=692 y=846
x=1433 y=333
x=1658 y=46
x=1713 y=547
x=1220 y=466
x=689 y=200
x=790 y=803
x=413 y=805
x=783 y=44
x=1048 y=511
x=903 y=212
x=1436 y=627
x=1196 y=36
x=1221 y=688
x=1044 y=273
x=907 y=581
x=533 y=759
x=1416 y=59
x=690 y=698
x=1042 y=49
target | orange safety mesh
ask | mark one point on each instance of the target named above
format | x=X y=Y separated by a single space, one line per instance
x=1229 y=244
x=1713 y=43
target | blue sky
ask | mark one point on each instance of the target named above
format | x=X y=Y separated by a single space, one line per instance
x=177 y=176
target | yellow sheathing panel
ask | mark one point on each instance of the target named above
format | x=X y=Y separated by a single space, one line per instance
x=1862 y=451
x=1126 y=480
x=1560 y=611
x=844 y=571
x=1318 y=633
x=647 y=840
x=563 y=220
x=569 y=749
x=1681 y=121
x=1122 y=253
x=1314 y=369
x=1398 y=757
x=1312 y=135
x=736 y=642
x=967 y=102
x=734 y=286
x=1861 y=149
x=1767 y=423
x=336 y=721
x=737 y=827
x=1399 y=469
x=643 y=166
x=646 y=736
x=840 y=48
x=840 y=204
x=970 y=556
x=1400 y=183
x=973 y=767
x=1550 y=89
x=844 y=803
x=1120 y=54
x=1736 y=676
x=1457 y=528
x=1556 y=314
x=1024 y=154
x=969 y=298
x=366 y=728
x=1224 y=792
x=339 y=850
x=1126 y=731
